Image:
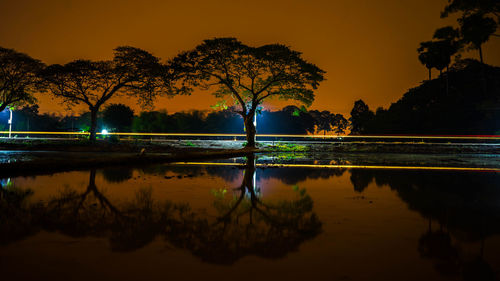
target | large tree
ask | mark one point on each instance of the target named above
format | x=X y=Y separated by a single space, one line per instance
x=132 y=71
x=248 y=75
x=18 y=78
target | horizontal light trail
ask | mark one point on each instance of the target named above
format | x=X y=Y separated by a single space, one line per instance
x=492 y=137
x=343 y=166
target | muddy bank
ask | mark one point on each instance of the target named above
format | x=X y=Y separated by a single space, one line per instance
x=189 y=146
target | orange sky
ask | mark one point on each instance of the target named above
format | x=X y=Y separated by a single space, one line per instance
x=367 y=47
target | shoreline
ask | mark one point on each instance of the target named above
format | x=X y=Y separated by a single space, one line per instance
x=21 y=158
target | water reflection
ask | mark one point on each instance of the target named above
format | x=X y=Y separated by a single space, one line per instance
x=465 y=205
x=445 y=223
x=232 y=173
x=245 y=223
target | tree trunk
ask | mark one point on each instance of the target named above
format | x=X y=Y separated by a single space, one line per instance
x=447 y=80
x=483 y=72
x=248 y=176
x=430 y=74
x=92 y=180
x=250 y=130
x=93 y=124
x=480 y=54
x=249 y=179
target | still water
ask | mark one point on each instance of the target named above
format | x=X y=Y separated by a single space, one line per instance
x=239 y=221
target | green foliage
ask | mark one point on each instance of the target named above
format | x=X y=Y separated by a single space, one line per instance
x=188 y=143
x=247 y=75
x=289 y=147
x=221 y=105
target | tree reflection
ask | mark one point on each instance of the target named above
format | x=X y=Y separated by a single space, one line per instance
x=244 y=225
x=464 y=204
x=117 y=175
x=17 y=216
x=247 y=225
x=288 y=176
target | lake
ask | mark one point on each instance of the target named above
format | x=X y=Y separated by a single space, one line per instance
x=244 y=219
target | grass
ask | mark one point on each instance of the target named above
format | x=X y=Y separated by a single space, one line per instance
x=289 y=147
x=188 y=143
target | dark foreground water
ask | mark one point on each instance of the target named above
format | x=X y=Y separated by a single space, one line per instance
x=225 y=222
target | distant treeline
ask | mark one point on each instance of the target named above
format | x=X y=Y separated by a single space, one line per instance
x=121 y=118
x=471 y=105
x=464 y=100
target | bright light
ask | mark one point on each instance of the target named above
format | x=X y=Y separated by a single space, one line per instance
x=10 y=122
x=104 y=132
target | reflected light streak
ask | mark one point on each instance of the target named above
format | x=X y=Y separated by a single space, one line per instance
x=342 y=166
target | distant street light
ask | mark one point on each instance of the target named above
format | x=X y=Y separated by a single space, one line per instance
x=10 y=122
x=104 y=132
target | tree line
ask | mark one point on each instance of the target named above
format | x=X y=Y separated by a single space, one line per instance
x=238 y=74
x=242 y=77
x=121 y=118
x=477 y=23
x=463 y=99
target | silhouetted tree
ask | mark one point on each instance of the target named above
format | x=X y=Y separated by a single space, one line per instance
x=152 y=122
x=118 y=117
x=223 y=121
x=18 y=78
x=478 y=21
x=427 y=109
x=490 y=7
x=132 y=71
x=340 y=124
x=437 y=54
x=324 y=120
x=426 y=56
x=447 y=45
x=476 y=30
x=247 y=74
x=361 y=116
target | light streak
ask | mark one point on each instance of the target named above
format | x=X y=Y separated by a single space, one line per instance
x=262 y=165
x=480 y=137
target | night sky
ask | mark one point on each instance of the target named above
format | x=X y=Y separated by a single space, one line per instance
x=367 y=47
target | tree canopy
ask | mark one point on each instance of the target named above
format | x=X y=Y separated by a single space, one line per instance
x=132 y=71
x=18 y=78
x=248 y=75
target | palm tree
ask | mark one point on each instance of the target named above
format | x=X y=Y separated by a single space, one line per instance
x=425 y=57
x=476 y=29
